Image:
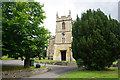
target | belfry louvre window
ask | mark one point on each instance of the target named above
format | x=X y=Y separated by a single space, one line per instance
x=63 y=40
x=63 y=25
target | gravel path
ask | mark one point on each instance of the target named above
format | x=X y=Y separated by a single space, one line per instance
x=56 y=71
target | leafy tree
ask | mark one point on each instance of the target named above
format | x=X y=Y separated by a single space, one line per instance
x=22 y=36
x=96 y=39
x=44 y=53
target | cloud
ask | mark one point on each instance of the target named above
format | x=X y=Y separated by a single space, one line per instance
x=76 y=7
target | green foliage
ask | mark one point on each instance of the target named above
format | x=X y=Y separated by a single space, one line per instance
x=115 y=62
x=46 y=60
x=43 y=54
x=96 y=39
x=80 y=63
x=22 y=35
x=6 y=58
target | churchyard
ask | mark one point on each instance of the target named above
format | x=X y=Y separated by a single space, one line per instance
x=86 y=47
x=111 y=72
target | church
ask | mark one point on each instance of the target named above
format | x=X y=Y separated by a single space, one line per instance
x=60 y=44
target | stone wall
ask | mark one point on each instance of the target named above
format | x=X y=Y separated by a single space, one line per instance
x=59 y=63
x=50 y=50
x=60 y=47
x=24 y=73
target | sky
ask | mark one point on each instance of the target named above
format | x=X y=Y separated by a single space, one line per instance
x=51 y=7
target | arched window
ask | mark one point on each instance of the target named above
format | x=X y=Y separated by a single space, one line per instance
x=63 y=25
x=63 y=40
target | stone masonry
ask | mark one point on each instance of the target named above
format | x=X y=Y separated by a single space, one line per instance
x=60 y=45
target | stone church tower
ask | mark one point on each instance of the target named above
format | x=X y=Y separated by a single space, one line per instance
x=63 y=38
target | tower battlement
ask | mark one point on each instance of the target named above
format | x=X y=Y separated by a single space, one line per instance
x=63 y=17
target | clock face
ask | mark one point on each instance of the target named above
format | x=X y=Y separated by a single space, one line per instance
x=63 y=33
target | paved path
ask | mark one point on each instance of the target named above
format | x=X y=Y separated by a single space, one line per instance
x=56 y=71
x=13 y=62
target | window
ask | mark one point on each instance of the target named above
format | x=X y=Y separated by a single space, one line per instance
x=63 y=25
x=63 y=40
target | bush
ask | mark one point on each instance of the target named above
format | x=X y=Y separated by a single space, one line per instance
x=80 y=63
x=96 y=40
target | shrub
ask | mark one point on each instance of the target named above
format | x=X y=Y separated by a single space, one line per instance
x=80 y=63
x=96 y=40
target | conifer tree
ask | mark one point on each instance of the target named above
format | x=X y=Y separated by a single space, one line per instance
x=96 y=40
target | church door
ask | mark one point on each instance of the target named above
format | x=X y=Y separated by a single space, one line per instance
x=63 y=55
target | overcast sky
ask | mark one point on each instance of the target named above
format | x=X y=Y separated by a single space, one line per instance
x=51 y=7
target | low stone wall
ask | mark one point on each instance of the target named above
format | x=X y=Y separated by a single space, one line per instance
x=58 y=63
x=23 y=73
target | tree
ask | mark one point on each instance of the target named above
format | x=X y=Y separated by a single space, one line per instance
x=96 y=40
x=22 y=35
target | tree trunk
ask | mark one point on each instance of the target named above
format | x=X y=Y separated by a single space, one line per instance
x=27 y=62
x=16 y=57
x=43 y=57
x=39 y=57
x=118 y=68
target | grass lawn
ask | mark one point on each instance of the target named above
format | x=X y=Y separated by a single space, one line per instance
x=110 y=73
x=12 y=68
x=6 y=58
